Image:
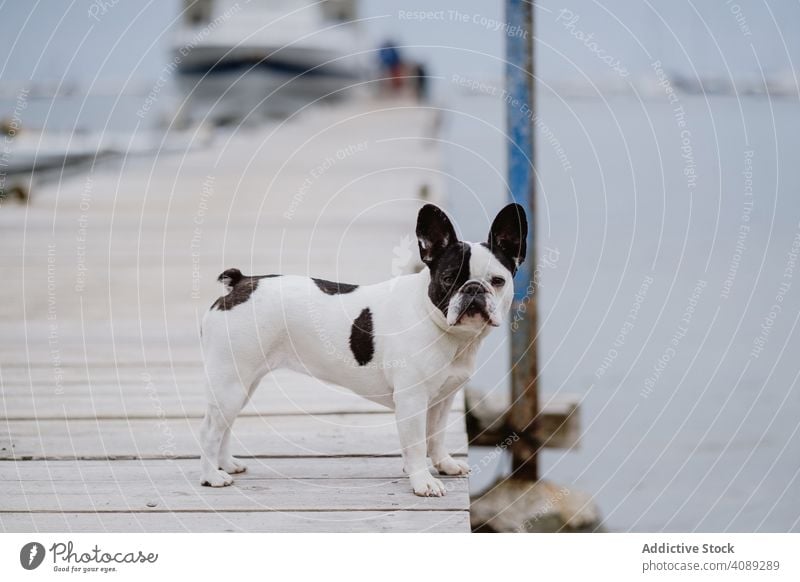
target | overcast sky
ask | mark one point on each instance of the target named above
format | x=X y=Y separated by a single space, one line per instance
x=44 y=38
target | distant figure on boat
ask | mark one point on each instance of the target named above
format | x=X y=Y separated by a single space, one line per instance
x=400 y=75
x=391 y=65
x=420 y=79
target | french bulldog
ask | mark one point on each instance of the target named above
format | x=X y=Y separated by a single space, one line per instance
x=408 y=343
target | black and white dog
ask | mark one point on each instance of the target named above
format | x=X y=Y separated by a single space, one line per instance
x=408 y=343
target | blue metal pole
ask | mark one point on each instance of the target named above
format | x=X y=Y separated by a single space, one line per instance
x=524 y=411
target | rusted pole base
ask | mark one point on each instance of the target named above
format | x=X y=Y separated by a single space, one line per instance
x=517 y=506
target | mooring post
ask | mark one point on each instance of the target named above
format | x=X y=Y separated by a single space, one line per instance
x=519 y=118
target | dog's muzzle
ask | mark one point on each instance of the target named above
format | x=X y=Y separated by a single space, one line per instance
x=474 y=301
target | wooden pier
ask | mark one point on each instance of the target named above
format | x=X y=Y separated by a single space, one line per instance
x=107 y=275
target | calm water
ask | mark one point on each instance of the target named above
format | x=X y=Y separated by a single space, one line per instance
x=660 y=310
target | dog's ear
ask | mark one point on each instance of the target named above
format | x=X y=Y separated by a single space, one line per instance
x=508 y=235
x=435 y=233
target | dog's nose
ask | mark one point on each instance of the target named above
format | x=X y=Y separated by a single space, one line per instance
x=473 y=288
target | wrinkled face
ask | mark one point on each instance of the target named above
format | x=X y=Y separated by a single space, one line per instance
x=472 y=283
x=470 y=286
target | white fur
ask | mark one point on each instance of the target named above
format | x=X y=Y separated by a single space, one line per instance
x=420 y=359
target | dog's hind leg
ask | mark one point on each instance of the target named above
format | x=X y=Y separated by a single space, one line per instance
x=225 y=401
x=226 y=460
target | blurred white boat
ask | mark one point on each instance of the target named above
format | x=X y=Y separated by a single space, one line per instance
x=265 y=57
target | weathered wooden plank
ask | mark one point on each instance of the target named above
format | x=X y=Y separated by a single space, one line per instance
x=131 y=471
x=156 y=394
x=151 y=399
x=248 y=521
x=41 y=375
x=122 y=342
x=247 y=494
x=303 y=435
x=141 y=406
x=108 y=355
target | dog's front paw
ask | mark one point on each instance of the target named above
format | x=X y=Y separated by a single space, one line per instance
x=217 y=479
x=233 y=466
x=426 y=485
x=449 y=466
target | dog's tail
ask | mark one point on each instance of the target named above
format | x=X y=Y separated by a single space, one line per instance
x=230 y=278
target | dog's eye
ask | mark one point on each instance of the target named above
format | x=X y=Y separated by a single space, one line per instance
x=498 y=281
x=448 y=280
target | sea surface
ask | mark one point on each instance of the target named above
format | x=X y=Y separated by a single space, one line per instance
x=668 y=305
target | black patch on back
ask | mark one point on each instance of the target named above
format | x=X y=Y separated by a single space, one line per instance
x=334 y=288
x=243 y=288
x=362 y=342
x=502 y=257
x=452 y=263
